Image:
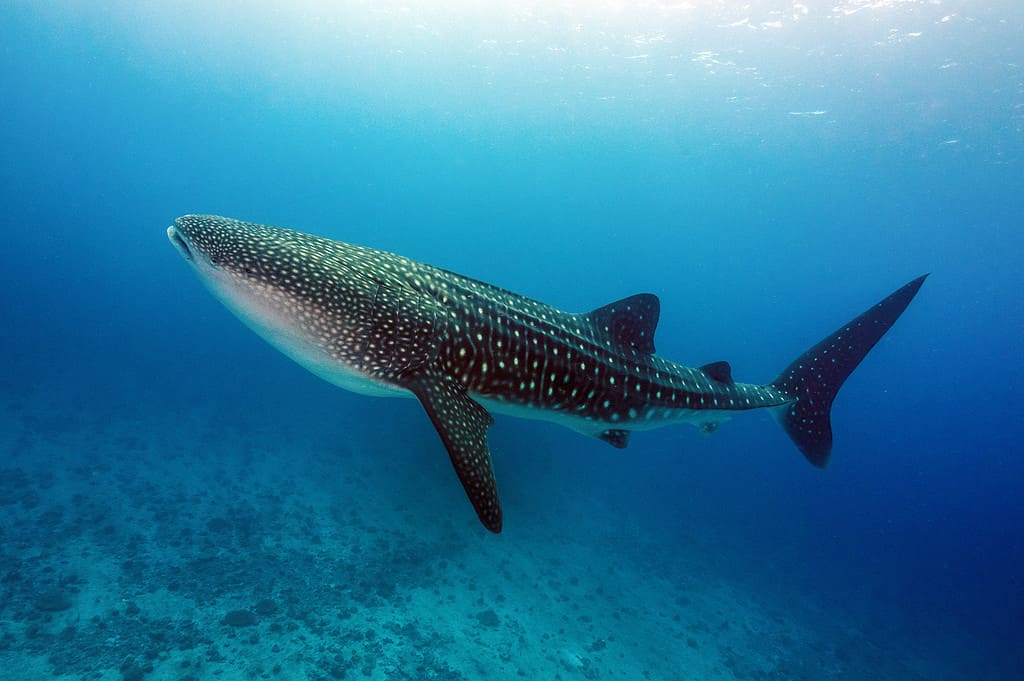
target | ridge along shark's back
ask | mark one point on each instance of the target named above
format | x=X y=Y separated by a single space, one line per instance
x=378 y=323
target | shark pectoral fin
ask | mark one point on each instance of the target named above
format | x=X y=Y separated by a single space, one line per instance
x=462 y=424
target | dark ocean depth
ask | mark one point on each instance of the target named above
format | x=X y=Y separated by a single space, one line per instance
x=179 y=501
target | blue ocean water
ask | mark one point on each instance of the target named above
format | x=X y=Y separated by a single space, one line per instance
x=768 y=169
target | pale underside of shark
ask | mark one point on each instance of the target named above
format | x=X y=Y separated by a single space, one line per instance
x=380 y=324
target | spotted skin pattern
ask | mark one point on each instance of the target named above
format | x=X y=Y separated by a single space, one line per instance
x=379 y=323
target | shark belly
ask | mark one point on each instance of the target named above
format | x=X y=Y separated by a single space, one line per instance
x=276 y=319
x=648 y=419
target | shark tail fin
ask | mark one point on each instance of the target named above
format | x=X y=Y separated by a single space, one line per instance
x=816 y=376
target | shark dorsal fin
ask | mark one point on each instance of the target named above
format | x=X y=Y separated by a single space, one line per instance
x=630 y=322
x=718 y=371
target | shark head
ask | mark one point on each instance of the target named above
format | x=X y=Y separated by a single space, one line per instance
x=231 y=247
x=303 y=294
x=245 y=265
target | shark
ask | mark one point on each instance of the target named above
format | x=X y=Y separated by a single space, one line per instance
x=378 y=323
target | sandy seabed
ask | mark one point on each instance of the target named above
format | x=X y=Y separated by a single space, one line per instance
x=145 y=541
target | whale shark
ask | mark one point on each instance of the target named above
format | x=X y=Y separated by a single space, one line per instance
x=378 y=323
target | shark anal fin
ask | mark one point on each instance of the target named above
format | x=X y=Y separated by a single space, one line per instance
x=616 y=437
x=462 y=424
x=708 y=427
x=629 y=322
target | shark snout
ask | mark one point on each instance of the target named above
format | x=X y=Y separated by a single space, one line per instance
x=179 y=242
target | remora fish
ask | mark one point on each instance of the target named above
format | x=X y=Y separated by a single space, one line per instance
x=381 y=324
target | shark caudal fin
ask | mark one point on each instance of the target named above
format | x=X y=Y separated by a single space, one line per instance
x=816 y=376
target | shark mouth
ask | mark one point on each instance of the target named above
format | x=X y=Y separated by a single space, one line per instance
x=179 y=243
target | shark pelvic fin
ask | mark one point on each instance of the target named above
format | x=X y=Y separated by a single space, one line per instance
x=616 y=437
x=630 y=322
x=462 y=424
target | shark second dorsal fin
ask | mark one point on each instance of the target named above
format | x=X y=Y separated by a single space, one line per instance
x=630 y=322
x=718 y=371
x=462 y=424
